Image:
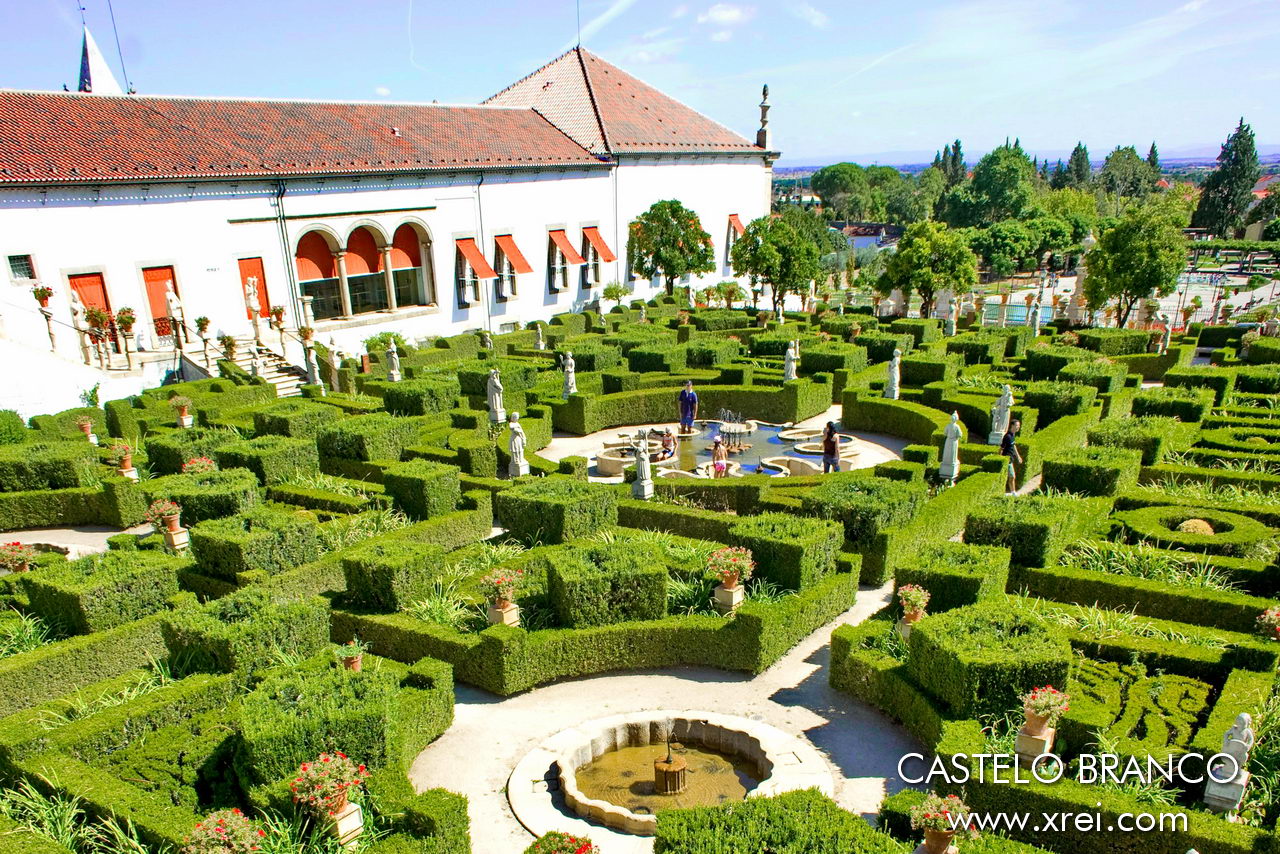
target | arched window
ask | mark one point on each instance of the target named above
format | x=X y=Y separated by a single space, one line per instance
x=365 y=280
x=411 y=266
x=318 y=274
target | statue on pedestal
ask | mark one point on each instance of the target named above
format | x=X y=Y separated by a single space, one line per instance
x=789 y=362
x=393 y=363
x=486 y=341
x=893 y=378
x=1168 y=333
x=1000 y=416
x=176 y=313
x=1228 y=775
x=539 y=343
x=949 y=467
x=570 y=375
x=515 y=447
x=494 y=391
x=643 y=486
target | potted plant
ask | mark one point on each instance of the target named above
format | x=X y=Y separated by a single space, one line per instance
x=182 y=404
x=42 y=294
x=1043 y=708
x=1247 y=340
x=277 y=312
x=324 y=787
x=17 y=557
x=499 y=586
x=96 y=317
x=731 y=565
x=199 y=465
x=224 y=832
x=228 y=345
x=1269 y=623
x=914 y=599
x=941 y=819
x=202 y=325
x=556 y=842
x=85 y=423
x=125 y=319
x=165 y=515
x=121 y=455
x=351 y=654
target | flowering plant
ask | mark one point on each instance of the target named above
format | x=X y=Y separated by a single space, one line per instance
x=323 y=786
x=180 y=401
x=202 y=324
x=126 y=318
x=1069 y=339
x=16 y=557
x=96 y=317
x=42 y=292
x=118 y=451
x=733 y=561
x=501 y=583
x=224 y=832
x=228 y=344
x=1047 y=702
x=84 y=421
x=1269 y=623
x=159 y=509
x=277 y=311
x=913 y=598
x=199 y=465
x=556 y=842
x=938 y=813
x=350 y=649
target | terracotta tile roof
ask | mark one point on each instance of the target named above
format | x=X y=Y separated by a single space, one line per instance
x=610 y=112
x=65 y=137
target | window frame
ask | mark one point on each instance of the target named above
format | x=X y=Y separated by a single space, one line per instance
x=506 y=275
x=591 y=267
x=31 y=265
x=463 y=276
x=557 y=268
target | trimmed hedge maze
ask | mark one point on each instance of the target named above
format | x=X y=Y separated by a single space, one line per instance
x=155 y=688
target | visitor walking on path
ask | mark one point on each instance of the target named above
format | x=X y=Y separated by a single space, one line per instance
x=830 y=448
x=719 y=459
x=1009 y=448
x=688 y=407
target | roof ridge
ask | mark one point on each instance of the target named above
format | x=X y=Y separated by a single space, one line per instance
x=257 y=100
x=533 y=73
x=591 y=93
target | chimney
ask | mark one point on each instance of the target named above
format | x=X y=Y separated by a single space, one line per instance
x=764 y=137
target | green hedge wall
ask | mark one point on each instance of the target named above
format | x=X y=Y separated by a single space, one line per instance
x=1188 y=405
x=264 y=539
x=864 y=505
x=956 y=574
x=243 y=631
x=1115 y=342
x=274 y=459
x=1056 y=400
x=1104 y=375
x=556 y=509
x=206 y=496
x=1155 y=436
x=300 y=419
x=380 y=436
x=389 y=574
x=102 y=591
x=1034 y=528
x=1221 y=380
x=792 y=552
x=423 y=489
x=1233 y=535
x=1092 y=471
x=599 y=585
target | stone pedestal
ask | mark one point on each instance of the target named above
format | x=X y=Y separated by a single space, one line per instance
x=498 y=416
x=131 y=473
x=186 y=421
x=93 y=438
x=642 y=489
x=904 y=629
x=727 y=599
x=178 y=540
x=348 y=825
x=1028 y=746
x=393 y=376
x=508 y=616
x=669 y=775
x=518 y=468
x=1225 y=797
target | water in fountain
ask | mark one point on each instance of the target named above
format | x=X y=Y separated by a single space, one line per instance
x=626 y=777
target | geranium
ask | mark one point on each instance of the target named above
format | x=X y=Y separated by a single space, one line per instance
x=224 y=832
x=501 y=583
x=731 y=562
x=350 y=649
x=42 y=292
x=202 y=324
x=556 y=842
x=84 y=421
x=324 y=786
x=159 y=509
x=913 y=598
x=199 y=465
x=1047 y=702
x=938 y=813
x=1269 y=623
x=16 y=557
x=118 y=451
x=180 y=402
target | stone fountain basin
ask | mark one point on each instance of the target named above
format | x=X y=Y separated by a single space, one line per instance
x=783 y=762
x=799 y=435
x=791 y=465
x=844 y=443
x=612 y=460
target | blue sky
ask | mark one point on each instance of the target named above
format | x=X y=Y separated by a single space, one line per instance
x=847 y=78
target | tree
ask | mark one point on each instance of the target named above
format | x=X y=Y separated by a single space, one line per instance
x=773 y=251
x=1272 y=230
x=1153 y=161
x=1050 y=234
x=1228 y=191
x=929 y=258
x=1079 y=170
x=1003 y=186
x=1059 y=179
x=846 y=190
x=730 y=292
x=1125 y=174
x=1138 y=259
x=1267 y=209
x=1005 y=247
x=615 y=291
x=669 y=240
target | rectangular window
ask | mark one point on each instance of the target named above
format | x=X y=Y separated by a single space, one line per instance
x=368 y=292
x=505 y=286
x=326 y=303
x=557 y=268
x=591 y=267
x=466 y=282
x=20 y=267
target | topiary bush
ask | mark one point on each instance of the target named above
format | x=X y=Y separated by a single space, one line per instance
x=243 y=631
x=300 y=419
x=12 y=428
x=1264 y=351
x=832 y=357
x=274 y=459
x=603 y=584
x=1221 y=380
x=1092 y=471
x=1045 y=361
x=956 y=574
x=921 y=330
x=262 y=538
x=389 y=575
x=1103 y=374
x=1115 y=342
x=422 y=395
x=167 y=453
x=1189 y=405
x=102 y=591
x=380 y=436
x=211 y=495
x=1034 y=528
x=1231 y=534
x=423 y=489
x=922 y=368
x=40 y=465
x=1155 y=436
x=792 y=552
x=864 y=505
x=880 y=345
x=555 y=509
x=1056 y=400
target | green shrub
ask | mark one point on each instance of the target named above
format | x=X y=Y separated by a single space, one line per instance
x=658 y=357
x=1264 y=379
x=832 y=357
x=300 y=419
x=713 y=352
x=922 y=368
x=1034 y=528
x=556 y=509
x=1221 y=380
x=1104 y=375
x=274 y=459
x=1264 y=351
x=516 y=375
x=1092 y=471
x=714 y=320
x=1115 y=342
x=245 y=631
x=206 y=496
x=387 y=575
x=880 y=345
x=423 y=489
x=603 y=584
x=792 y=552
x=380 y=436
x=12 y=428
x=590 y=357
x=1045 y=361
x=1188 y=405
x=921 y=330
x=46 y=465
x=980 y=659
x=864 y=505
x=957 y=574
x=102 y=591
x=262 y=538
x=167 y=453
x=1056 y=400
x=1154 y=436
x=1233 y=535
x=978 y=348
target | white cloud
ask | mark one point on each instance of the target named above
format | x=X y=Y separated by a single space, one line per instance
x=680 y=11
x=381 y=91
x=654 y=33
x=726 y=14
x=646 y=52
x=722 y=35
x=599 y=22
x=811 y=16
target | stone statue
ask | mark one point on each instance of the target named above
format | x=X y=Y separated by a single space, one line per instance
x=494 y=390
x=251 y=295
x=949 y=467
x=173 y=304
x=891 y=381
x=393 y=363
x=570 y=369
x=313 y=368
x=77 y=311
x=1033 y=319
x=692 y=304
x=539 y=342
x=644 y=314
x=1238 y=741
x=1220 y=792
x=1000 y=416
x=256 y=367
x=515 y=447
x=952 y=318
x=1168 y=333
x=486 y=341
x=1271 y=328
x=789 y=362
x=642 y=488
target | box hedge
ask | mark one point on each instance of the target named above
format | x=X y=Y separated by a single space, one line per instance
x=390 y=574
x=919 y=369
x=245 y=631
x=864 y=505
x=265 y=539
x=47 y=465
x=956 y=574
x=297 y=418
x=1155 y=436
x=1034 y=528
x=206 y=496
x=1115 y=342
x=423 y=489
x=102 y=591
x=1092 y=471
x=380 y=436
x=1056 y=400
x=1221 y=380
x=1104 y=375
x=1188 y=405
x=792 y=552
x=556 y=509
x=274 y=459
x=602 y=584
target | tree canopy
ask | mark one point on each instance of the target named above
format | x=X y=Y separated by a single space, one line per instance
x=1079 y=170
x=1140 y=258
x=1126 y=174
x=776 y=252
x=668 y=240
x=1228 y=191
x=929 y=258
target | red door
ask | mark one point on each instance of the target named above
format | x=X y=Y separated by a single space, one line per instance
x=252 y=268
x=156 y=280
x=92 y=290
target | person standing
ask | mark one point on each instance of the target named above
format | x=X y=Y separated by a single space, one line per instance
x=830 y=448
x=719 y=459
x=1009 y=448
x=688 y=400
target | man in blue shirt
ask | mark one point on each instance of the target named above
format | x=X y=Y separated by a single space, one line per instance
x=688 y=407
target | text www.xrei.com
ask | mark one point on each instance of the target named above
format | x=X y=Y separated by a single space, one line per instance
x=1080 y=822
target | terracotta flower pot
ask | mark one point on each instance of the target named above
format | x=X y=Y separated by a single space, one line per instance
x=913 y=617
x=938 y=841
x=501 y=603
x=44 y=302
x=338 y=802
x=22 y=567
x=86 y=429
x=182 y=411
x=730 y=580
x=354 y=663
x=1036 y=725
x=126 y=462
x=171 y=522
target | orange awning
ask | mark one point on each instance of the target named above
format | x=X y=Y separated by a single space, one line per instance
x=737 y=224
x=467 y=246
x=597 y=240
x=562 y=243
x=508 y=246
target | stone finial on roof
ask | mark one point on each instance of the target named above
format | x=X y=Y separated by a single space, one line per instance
x=764 y=137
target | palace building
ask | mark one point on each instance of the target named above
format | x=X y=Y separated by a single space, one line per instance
x=357 y=218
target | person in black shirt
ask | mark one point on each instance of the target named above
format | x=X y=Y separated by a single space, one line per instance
x=1009 y=448
x=830 y=449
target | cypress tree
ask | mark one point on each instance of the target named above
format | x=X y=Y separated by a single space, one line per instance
x=1058 y=179
x=1078 y=169
x=1153 y=160
x=1227 y=192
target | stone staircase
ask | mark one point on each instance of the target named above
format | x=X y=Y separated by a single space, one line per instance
x=285 y=376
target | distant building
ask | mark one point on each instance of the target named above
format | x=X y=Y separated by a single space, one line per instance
x=860 y=235
x=1266 y=185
